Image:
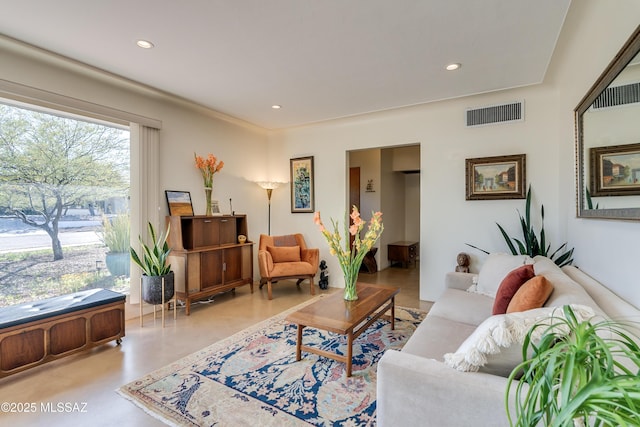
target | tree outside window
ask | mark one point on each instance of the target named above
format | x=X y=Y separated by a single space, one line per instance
x=52 y=166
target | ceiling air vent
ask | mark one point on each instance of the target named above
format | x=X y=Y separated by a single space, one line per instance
x=496 y=114
x=617 y=95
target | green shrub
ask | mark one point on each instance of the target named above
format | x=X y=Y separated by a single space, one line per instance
x=116 y=233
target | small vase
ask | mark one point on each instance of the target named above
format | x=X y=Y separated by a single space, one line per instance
x=350 y=279
x=207 y=195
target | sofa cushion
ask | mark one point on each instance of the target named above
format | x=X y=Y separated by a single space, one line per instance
x=532 y=294
x=436 y=336
x=496 y=345
x=284 y=253
x=462 y=306
x=494 y=270
x=293 y=269
x=509 y=286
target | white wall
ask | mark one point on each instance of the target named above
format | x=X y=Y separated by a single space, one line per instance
x=595 y=30
x=369 y=163
x=593 y=33
x=447 y=220
x=412 y=206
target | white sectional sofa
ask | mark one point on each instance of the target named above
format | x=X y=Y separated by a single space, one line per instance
x=415 y=387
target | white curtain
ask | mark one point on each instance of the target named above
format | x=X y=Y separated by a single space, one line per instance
x=145 y=192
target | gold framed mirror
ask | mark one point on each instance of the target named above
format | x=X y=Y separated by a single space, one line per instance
x=607 y=123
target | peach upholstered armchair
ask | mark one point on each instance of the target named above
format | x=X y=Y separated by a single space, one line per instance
x=286 y=257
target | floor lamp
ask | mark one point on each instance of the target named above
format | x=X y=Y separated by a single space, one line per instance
x=269 y=186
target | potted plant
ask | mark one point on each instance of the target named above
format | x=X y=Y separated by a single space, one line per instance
x=155 y=268
x=531 y=244
x=579 y=373
x=115 y=236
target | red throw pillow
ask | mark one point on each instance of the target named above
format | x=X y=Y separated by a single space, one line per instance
x=510 y=285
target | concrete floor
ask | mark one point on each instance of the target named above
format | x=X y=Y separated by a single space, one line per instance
x=87 y=382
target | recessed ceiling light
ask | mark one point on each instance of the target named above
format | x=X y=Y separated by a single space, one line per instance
x=452 y=67
x=276 y=106
x=145 y=44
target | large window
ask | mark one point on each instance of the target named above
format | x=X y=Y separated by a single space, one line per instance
x=64 y=205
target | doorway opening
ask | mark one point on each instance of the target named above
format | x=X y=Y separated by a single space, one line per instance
x=388 y=180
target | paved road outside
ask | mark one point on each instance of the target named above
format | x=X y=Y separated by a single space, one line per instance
x=11 y=242
x=76 y=229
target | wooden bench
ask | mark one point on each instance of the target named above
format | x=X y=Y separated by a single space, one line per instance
x=40 y=331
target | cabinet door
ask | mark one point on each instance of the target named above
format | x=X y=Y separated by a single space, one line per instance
x=227 y=231
x=233 y=264
x=210 y=269
x=205 y=232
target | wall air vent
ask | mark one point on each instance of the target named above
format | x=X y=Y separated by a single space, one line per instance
x=617 y=95
x=511 y=112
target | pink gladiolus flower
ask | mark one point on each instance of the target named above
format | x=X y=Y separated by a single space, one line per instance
x=351 y=253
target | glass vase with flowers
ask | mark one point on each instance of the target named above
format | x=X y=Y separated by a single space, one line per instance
x=350 y=254
x=208 y=166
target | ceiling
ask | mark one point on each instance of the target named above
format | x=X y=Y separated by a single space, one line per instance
x=318 y=59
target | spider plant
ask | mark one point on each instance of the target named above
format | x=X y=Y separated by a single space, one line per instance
x=579 y=373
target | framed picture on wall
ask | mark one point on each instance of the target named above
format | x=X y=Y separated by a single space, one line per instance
x=302 y=197
x=498 y=177
x=179 y=203
x=615 y=170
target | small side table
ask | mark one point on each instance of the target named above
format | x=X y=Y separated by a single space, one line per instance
x=403 y=252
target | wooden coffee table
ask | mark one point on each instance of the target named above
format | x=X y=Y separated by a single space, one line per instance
x=349 y=318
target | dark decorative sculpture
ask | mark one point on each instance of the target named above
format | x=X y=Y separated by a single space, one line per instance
x=324 y=275
x=463 y=263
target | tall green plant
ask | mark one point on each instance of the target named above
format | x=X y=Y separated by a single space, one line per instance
x=580 y=372
x=154 y=258
x=531 y=244
x=589 y=201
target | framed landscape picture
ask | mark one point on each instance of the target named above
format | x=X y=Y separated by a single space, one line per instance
x=179 y=203
x=302 y=198
x=615 y=170
x=499 y=177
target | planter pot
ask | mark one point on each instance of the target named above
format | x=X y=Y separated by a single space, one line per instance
x=152 y=288
x=119 y=263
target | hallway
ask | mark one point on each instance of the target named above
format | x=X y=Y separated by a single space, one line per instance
x=407 y=279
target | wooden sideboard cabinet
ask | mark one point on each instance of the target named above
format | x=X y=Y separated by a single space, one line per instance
x=403 y=252
x=206 y=257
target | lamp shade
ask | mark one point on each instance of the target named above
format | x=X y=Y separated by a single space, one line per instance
x=269 y=185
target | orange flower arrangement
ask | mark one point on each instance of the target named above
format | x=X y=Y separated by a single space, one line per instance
x=208 y=167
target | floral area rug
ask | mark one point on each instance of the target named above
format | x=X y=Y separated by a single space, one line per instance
x=252 y=378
